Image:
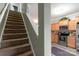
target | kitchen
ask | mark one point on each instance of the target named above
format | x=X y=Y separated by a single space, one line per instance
x=65 y=25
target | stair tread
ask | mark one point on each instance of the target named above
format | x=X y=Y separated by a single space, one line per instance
x=13 y=42
x=26 y=53
x=15 y=17
x=14 y=25
x=15 y=39
x=14 y=34
x=11 y=36
x=14 y=20
x=14 y=47
x=18 y=22
x=14 y=29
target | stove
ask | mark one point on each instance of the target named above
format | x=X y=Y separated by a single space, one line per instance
x=63 y=33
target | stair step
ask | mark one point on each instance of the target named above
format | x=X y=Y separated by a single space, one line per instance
x=13 y=51
x=16 y=39
x=11 y=17
x=15 y=20
x=28 y=53
x=14 y=23
x=14 y=36
x=13 y=42
x=14 y=27
x=16 y=15
x=14 y=31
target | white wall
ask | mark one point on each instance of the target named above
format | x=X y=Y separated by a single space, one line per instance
x=32 y=13
x=31 y=10
x=2 y=5
x=2 y=20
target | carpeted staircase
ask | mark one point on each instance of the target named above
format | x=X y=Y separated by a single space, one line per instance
x=15 y=41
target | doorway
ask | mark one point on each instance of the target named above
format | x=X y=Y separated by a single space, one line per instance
x=15 y=8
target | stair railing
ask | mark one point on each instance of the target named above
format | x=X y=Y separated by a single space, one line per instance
x=31 y=33
x=3 y=19
x=2 y=8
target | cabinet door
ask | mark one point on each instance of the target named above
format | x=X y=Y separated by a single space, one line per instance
x=72 y=25
x=55 y=26
x=63 y=23
x=71 y=41
x=54 y=37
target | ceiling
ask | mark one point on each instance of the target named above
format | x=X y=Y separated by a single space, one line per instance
x=63 y=9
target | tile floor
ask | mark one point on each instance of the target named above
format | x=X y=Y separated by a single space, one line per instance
x=63 y=51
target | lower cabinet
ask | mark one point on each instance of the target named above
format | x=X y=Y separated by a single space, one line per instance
x=71 y=41
x=54 y=37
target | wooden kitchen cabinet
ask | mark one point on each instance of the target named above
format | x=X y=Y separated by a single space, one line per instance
x=63 y=23
x=54 y=37
x=72 y=25
x=54 y=33
x=71 y=41
x=55 y=27
x=77 y=19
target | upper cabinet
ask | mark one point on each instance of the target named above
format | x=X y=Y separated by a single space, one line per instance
x=77 y=19
x=66 y=22
x=72 y=25
x=55 y=26
x=63 y=22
